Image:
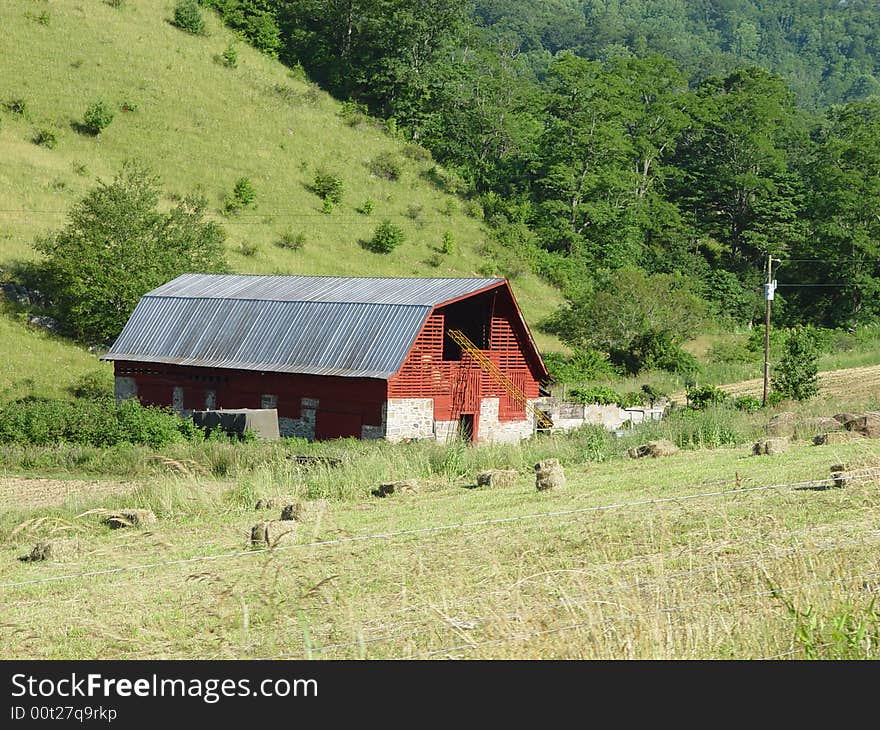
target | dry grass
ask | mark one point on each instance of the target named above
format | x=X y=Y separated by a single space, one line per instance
x=718 y=576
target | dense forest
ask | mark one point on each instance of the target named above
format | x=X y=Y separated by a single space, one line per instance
x=646 y=156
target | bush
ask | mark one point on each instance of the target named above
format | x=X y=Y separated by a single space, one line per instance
x=797 y=374
x=580 y=366
x=45 y=138
x=243 y=196
x=596 y=395
x=708 y=395
x=229 y=57
x=447 y=245
x=94 y=385
x=414 y=211
x=328 y=187
x=367 y=208
x=386 y=165
x=98 y=422
x=386 y=238
x=652 y=394
x=633 y=399
x=188 y=17
x=748 y=403
x=16 y=106
x=94 y=271
x=291 y=241
x=248 y=248
x=97 y=118
x=731 y=351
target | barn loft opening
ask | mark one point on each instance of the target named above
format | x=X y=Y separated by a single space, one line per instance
x=473 y=317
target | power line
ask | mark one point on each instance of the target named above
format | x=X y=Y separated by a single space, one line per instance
x=435 y=529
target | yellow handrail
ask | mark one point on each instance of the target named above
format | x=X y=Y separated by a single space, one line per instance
x=462 y=340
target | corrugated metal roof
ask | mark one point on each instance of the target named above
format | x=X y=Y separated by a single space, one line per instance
x=316 y=325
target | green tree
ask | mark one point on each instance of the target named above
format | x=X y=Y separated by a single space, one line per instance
x=797 y=374
x=188 y=17
x=117 y=245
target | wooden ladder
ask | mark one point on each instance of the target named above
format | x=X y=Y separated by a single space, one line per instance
x=462 y=340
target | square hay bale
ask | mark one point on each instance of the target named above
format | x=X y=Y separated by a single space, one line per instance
x=56 y=549
x=405 y=486
x=497 y=478
x=549 y=475
x=304 y=511
x=836 y=437
x=782 y=424
x=274 y=502
x=770 y=447
x=130 y=517
x=654 y=449
x=272 y=533
x=867 y=425
x=856 y=471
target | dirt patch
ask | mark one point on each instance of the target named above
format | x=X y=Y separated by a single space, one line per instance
x=16 y=492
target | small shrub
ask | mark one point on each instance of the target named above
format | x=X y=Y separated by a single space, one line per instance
x=129 y=106
x=597 y=395
x=291 y=241
x=243 y=196
x=705 y=396
x=42 y=18
x=797 y=374
x=386 y=238
x=582 y=365
x=97 y=118
x=633 y=399
x=417 y=153
x=731 y=352
x=94 y=385
x=115 y=3
x=450 y=208
x=367 y=207
x=747 y=403
x=434 y=260
x=248 y=249
x=327 y=207
x=229 y=57
x=188 y=17
x=45 y=138
x=473 y=209
x=386 y=165
x=414 y=211
x=16 y=106
x=447 y=244
x=652 y=394
x=353 y=113
x=80 y=168
x=328 y=187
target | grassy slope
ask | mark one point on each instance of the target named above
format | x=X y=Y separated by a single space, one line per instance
x=201 y=126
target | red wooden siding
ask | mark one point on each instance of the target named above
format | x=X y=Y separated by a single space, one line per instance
x=457 y=386
x=346 y=400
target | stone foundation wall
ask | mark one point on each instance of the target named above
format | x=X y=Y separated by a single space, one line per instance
x=567 y=416
x=491 y=430
x=369 y=433
x=304 y=426
x=409 y=418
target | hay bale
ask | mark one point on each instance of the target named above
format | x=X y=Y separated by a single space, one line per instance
x=836 y=437
x=272 y=532
x=856 y=471
x=782 y=424
x=130 y=517
x=770 y=447
x=405 y=486
x=549 y=475
x=867 y=425
x=822 y=423
x=279 y=500
x=56 y=549
x=654 y=449
x=843 y=418
x=497 y=478
x=304 y=511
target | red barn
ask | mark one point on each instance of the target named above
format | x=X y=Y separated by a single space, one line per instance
x=365 y=357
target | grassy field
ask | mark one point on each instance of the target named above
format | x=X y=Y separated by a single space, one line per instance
x=201 y=126
x=709 y=553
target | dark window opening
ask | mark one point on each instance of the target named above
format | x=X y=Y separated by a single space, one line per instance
x=473 y=318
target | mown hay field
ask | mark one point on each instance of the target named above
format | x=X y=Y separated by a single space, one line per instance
x=708 y=553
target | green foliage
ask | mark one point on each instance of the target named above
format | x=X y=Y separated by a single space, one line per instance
x=632 y=399
x=652 y=394
x=188 y=17
x=291 y=241
x=255 y=20
x=367 y=207
x=229 y=57
x=248 y=249
x=18 y=106
x=597 y=394
x=89 y=422
x=731 y=351
x=95 y=385
x=796 y=374
x=116 y=246
x=328 y=187
x=243 y=196
x=447 y=244
x=45 y=137
x=386 y=165
x=580 y=366
x=97 y=118
x=700 y=398
x=386 y=238
x=747 y=403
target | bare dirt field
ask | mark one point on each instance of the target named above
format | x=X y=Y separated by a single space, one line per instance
x=22 y=492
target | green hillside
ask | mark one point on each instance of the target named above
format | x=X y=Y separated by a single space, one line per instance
x=201 y=126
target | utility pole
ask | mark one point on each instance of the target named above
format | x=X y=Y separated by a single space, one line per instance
x=769 y=291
